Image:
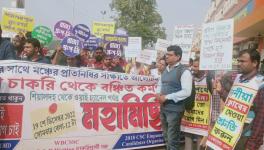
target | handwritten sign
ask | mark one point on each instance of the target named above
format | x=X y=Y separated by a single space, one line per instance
x=183 y=37
x=147 y=56
x=134 y=47
x=217 y=45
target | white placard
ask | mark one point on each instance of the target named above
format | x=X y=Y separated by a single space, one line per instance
x=183 y=37
x=162 y=44
x=217 y=45
x=134 y=47
x=147 y=56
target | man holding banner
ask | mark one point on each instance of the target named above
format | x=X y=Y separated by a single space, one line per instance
x=248 y=62
x=235 y=122
x=196 y=122
x=176 y=85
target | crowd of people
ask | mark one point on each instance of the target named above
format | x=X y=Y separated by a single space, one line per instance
x=176 y=86
x=24 y=47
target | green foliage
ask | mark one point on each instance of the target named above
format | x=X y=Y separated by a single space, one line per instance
x=139 y=18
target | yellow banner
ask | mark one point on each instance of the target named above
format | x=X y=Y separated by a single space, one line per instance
x=15 y=22
x=101 y=28
x=197 y=120
x=229 y=125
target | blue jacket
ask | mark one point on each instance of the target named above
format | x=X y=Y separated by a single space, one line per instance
x=7 y=51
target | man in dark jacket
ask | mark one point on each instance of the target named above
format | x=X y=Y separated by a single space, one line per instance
x=7 y=51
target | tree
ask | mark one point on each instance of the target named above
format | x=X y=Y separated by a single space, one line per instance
x=139 y=18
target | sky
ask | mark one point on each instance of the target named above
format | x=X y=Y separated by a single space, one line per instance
x=173 y=12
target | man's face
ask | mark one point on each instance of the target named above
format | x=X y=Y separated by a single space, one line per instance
x=115 y=61
x=98 y=55
x=195 y=67
x=30 y=50
x=245 y=64
x=161 y=65
x=171 y=58
x=71 y=61
x=107 y=61
x=17 y=42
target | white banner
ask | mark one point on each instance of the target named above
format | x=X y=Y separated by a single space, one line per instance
x=57 y=107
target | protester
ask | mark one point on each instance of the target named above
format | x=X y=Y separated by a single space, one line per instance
x=99 y=56
x=201 y=79
x=32 y=52
x=116 y=67
x=18 y=42
x=73 y=61
x=176 y=85
x=107 y=63
x=137 y=68
x=160 y=67
x=7 y=51
x=58 y=58
x=252 y=134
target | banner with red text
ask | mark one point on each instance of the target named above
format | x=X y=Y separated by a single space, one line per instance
x=53 y=107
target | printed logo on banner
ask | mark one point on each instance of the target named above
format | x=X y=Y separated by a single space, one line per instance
x=62 y=29
x=71 y=46
x=43 y=34
x=11 y=122
x=114 y=49
x=139 y=140
x=92 y=43
x=8 y=144
x=82 y=32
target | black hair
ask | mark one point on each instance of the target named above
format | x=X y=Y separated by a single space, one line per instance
x=253 y=53
x=176 y=49
x=34 y=42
